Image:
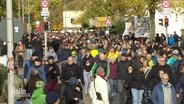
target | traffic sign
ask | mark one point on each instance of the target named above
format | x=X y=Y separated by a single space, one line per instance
x=108 y=21
x=44 y=3
x=166 y=3
x=166 y=12
x=17 y=33
x=45 y=13
x=45 y=9
x=100 y=21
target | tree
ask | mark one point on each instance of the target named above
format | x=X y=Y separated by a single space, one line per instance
x=56 y=14
x=91 y=9
x=130 y=7
x=55 y=9
x=3 y=8
x=152 y=6
x=118 y=27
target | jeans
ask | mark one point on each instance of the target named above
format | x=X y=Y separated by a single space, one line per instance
x=113 y=86
x=121 y=92
x=87 y=81
x=28 y=53
x=19 y=102
x=137 y=95
x=20 y=61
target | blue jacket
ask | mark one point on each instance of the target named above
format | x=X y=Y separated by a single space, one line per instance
x=41 y=73
x=158 y=95
x=28 y=64
x=171 y=41
x=180 y=85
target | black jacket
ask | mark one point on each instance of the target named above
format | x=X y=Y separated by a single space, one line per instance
x=155 y=73
x=137 y=79
x=71 y=93
x=122 y=69
x=52 y=71
x=70 y=71
x=87 y=63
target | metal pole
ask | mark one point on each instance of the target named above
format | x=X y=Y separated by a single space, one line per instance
x=45 y=35
x=10 y=50
x=23 y=11
x=29 y=23
x=65 y=16
x=166 y=34
x=19 y=8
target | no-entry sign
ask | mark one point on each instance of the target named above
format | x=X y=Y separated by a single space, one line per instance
x=44 y=3
x=166 y=3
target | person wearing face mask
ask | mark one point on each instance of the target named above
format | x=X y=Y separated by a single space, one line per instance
x=35 y=73
x=164 y=92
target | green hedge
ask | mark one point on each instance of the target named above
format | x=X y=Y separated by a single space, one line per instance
x=3 y=75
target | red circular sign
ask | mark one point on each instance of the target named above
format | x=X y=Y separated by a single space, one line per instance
x=44 y=3
x=166 y=4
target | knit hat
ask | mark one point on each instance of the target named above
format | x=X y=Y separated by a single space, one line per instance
x=51 y=57
x=34 y=54
x=52 y=97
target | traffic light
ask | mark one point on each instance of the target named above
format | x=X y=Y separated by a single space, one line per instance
x=72 y=21
x=161 y=22
x=166 y=21
x=46 y=26
x=32 y=16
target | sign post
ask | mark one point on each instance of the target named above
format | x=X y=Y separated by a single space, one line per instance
x=45 y=13
x=108 y=23
x=166 y=23
x=45 y=34
x=166 y=4
x=10 y=50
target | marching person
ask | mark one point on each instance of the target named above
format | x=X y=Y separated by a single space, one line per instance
x=99 y=91
x=164 y=92
x=35 y=73
x=20 y=53
x=86 y=64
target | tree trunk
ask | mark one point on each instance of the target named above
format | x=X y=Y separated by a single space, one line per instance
x=152 y=24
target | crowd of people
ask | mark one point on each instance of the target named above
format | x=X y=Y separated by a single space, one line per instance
x=104 y=67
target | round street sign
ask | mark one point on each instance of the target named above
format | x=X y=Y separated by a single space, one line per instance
x=44 y=3
x=166 y=4
x=18 y=30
